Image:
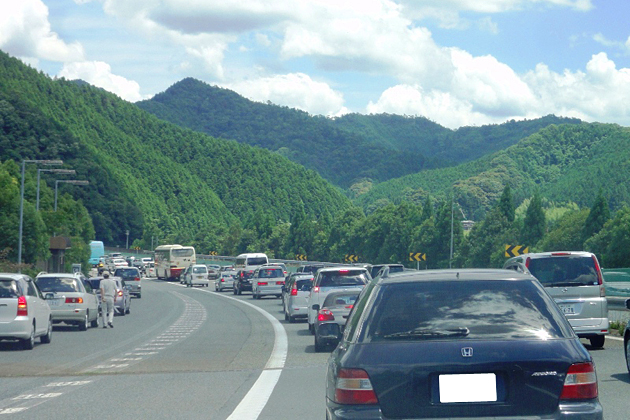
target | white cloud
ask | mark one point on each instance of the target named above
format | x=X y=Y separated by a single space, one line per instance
x=295 y=90
x=100 y=74
x=25 y=31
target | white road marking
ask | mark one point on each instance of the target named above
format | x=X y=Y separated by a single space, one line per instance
x=37 y=396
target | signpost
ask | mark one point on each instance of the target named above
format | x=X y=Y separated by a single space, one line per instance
x=300 y=257
x=351 y=258
x=417 y=256
x=515 y=250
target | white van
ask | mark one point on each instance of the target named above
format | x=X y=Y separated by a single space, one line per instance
x=245 y=265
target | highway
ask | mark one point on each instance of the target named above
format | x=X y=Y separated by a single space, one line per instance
x=193 y=353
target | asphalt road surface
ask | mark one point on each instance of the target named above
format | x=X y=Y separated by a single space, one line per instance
x=193 y=353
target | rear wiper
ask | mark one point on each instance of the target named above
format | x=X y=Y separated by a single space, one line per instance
x=568 y=283
x=420 y=333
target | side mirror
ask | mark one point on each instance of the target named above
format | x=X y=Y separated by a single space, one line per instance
x=628 y=303
x=316 y=307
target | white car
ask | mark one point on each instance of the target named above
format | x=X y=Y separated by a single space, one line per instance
x=334 y=279
x=225 y=280
x=267 y=280
x=117 y=263
x=24 y=314
x=196 y=274
x=295 y=296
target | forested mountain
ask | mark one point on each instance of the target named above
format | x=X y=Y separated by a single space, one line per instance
x=567 y=163
x=146 y=175
x=343 y=150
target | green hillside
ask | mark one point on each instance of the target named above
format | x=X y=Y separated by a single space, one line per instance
x=338 y=155
x=567 y=163
x=146 y=175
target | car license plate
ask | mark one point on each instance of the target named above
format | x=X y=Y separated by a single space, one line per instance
x=568 y=309
x=476 y=387
x=53 y=302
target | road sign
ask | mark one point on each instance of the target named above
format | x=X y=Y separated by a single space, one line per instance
x=300 y=257
x=351 y=258
x=515 y=250
x=213 y=253
x=417 y=256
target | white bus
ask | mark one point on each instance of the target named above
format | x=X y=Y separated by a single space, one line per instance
x=172 y=260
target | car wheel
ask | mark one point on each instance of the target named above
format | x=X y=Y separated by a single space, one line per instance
x=94 y=323
x=83 y=326
x=597 y=341
x=48 y=336
x=234 y=290
x=122 y=313
x=318 y=346
x=311 y=328
x=29 y=343
x=240 y=292
x=628 y=355
x=128 y=310
x=291 y=319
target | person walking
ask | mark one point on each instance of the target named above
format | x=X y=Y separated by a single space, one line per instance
x=108 y=297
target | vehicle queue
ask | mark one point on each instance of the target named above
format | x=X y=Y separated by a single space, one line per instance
x=539 y=324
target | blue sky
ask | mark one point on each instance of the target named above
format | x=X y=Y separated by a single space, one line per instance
x=457 y=62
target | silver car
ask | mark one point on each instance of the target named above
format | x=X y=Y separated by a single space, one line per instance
x=331 y=318
x=122 y=304
x=334 y=279
x=575 y=281
x=267 y=281
x=295 y=296
x=24 y=314
x=196 y=274
x=225 y=280
x=69 y=300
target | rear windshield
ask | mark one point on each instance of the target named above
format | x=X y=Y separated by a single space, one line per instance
x=464 y=310
x=343 y=278
x=58 y=284
x=127 y=272
x=564 y=271
x=304 y=285
x=200 y=270
x=271 y=273
x=256 y=261
x=8 y=289
x=337 y=299
x=182 y=253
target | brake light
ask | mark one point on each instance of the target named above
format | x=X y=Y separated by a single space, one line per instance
x=120 y=293
x=349 y=306
x=262 y=283
x=74 y=300
x=137 y=278
x=344 y=271
x=354 y=387
x=316 y=289
x=580 y=382
x=560 y=254
x=527 y=261
x=325 y=315
x=22 y=308
x=600 y=277
x=222 y=280
x=280 y=283
x=294 y=290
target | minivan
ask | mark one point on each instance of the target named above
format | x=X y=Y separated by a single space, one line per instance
x=575 y=281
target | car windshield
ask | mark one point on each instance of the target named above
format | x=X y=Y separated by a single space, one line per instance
x=343 y=278
x=271 y=273
x=8 y=289
x=200 y=270
x=256 y=261
x=58 y=284
x=564 y=271
x=465 y=310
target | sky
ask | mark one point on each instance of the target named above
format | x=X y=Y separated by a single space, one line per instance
x=456 y=62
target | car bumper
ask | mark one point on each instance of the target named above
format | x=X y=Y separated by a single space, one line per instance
x=62 y=315
x=18 y=328
x=298 y=311
x=202 y=282
x=268 y=290
x=591 y=410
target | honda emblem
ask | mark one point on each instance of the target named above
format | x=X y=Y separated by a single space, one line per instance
x=467 y=351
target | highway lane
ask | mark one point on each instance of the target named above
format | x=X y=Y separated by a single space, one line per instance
x=193 y=353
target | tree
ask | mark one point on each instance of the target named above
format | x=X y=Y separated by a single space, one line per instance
x=506 y=203
x=534 y=225
x=597 y=218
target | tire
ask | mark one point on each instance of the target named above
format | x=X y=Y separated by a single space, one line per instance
x=239 y=292
x=46 y=338
x=628 y=355
x=318 y=346
x=123 y=312
x=286 y=316
x=128 y=311
x=597 y=341
x=83 y=326
x=94 y=323
x=311 y=328
x=29 y=343
x=291 y=320
x=234 y=290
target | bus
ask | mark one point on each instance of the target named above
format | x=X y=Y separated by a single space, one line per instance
x=97 y=250
x=172 y=260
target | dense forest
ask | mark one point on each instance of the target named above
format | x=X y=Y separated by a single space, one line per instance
x=148 y=176
x=345 y=150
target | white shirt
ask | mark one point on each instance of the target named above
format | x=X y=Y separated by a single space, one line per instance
x=108 y=288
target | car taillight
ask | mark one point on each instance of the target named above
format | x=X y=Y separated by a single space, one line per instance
x=120 y=293
x=294 y=291
x=344 y=271
x=600 y=277
x=262 y=283
x=280 y=283
x=580 y=382
x=222 y=280
x=349 y=306
x=74 y=300
x=527 y=261
x=137 y=278
x=22 y=308
x=316 y=289
x=325 y=315
x=354 y=387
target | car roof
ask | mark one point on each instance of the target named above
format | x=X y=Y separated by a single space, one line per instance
x=557 y=254
x=341 y=267
x=13 y=276
x=58 y=275
x=464 y=274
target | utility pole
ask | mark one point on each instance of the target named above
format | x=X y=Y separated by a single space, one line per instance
x=450 y=260
x=68 y=181
x=55 y=171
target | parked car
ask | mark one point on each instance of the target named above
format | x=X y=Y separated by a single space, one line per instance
x=24 y=314
x=575 y=281
x=214 y=271
x=295 y=296
x=225 y=280
x=122 y=304
x=196 y=274
x=267 y=281
x=474 y=343
x=69 y=300
x=334 y=279
x=332 y=317
x=132 y=278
